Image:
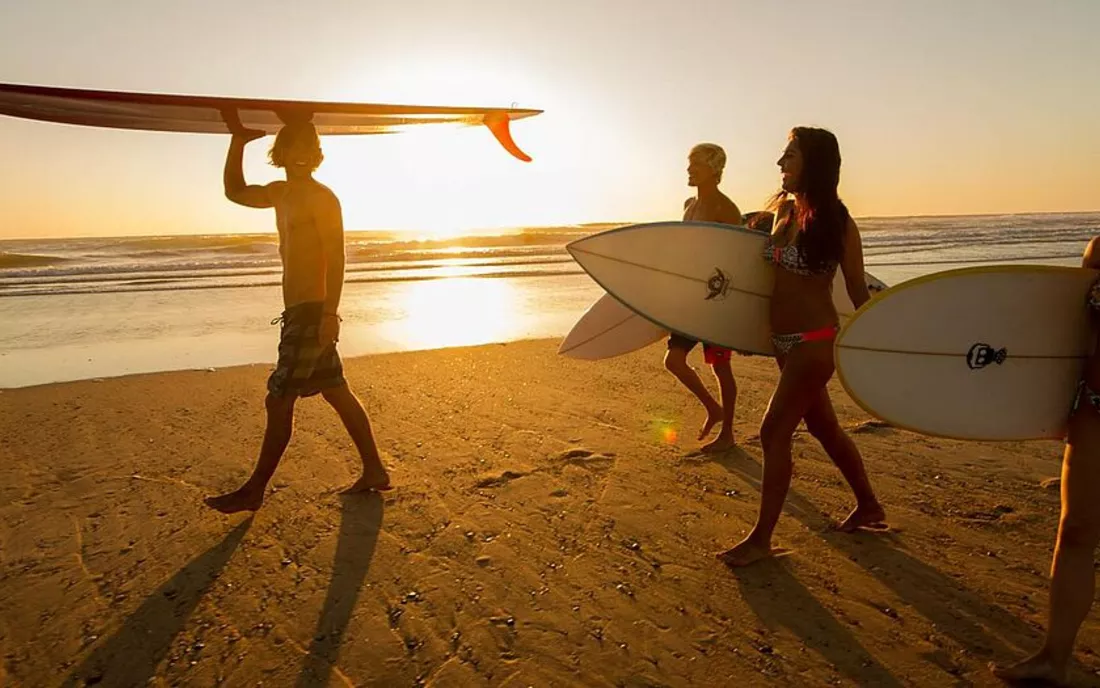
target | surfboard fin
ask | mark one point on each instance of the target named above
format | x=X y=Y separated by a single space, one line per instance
x=498 y=124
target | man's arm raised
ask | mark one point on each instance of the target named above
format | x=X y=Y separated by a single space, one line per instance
x=236 y=189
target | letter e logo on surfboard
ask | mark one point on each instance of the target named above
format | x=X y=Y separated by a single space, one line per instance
x=982 y=355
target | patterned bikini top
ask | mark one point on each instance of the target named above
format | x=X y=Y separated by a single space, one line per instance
x=1093 y=298
x=790 y=259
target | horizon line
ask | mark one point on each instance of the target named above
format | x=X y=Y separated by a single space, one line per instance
x=487 y=231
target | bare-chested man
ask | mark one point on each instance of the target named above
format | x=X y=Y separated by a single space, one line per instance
x=311 y=245
x=705 y=164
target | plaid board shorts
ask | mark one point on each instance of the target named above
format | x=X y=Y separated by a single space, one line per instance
x=711 y=354
x=304 y=367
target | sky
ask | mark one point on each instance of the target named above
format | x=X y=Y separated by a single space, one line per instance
x=940 y=106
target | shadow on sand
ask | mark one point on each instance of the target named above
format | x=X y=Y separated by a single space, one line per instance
x=130 y=657
x=360 y=524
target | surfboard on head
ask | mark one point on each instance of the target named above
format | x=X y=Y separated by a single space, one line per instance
x=985 y=353
x=204 y=114
x=706 y=281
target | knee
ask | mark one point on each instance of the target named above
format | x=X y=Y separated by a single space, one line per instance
x=675 y=360
x=1078 y=533
x=774 y=433
x=277 y=404
x=823 y=431
x=334 y=395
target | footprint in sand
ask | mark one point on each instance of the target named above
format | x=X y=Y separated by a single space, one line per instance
x=586 y=458
x=872 y=426
x=500 y=480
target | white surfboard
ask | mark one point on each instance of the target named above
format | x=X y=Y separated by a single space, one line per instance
x=206 y=114
x=704 y=280
x=986 y=353
x=608 y=329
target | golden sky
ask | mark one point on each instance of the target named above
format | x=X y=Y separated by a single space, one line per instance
x=940 y=106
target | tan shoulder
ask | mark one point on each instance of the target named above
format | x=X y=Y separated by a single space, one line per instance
x=784 y=211
x=727 y=202
x=729 y=212
x=325 y=196
x=1091 y=257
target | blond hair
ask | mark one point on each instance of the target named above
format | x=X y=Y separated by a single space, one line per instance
x=291 y=134
x=711 y=155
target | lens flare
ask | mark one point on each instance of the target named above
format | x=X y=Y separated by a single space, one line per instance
x=664 y=430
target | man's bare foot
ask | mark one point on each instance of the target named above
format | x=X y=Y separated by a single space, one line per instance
x=1035 y=668
x=721 y=443
x=374 y=479
x=744 y=553
x=863 y=515
x=243 y=499
x=714 y=417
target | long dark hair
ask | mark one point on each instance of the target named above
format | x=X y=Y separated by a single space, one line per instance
x=822 y=216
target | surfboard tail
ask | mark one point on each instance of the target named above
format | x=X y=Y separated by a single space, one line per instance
x=499 y=125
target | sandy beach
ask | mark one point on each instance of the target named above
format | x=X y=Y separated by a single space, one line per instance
x=552 y=525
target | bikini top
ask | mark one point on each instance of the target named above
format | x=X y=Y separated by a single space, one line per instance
x=790 y=258
x=1092 y=301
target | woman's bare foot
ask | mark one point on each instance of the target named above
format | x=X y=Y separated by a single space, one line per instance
x=374 y=479
x=723 y=442
x=714 y=417
x=863 y=515
x=1035 y=668
x=243 y=499
x=744 y=553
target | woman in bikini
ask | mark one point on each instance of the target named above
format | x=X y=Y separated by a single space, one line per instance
x=811 y=236
x=1072 y=575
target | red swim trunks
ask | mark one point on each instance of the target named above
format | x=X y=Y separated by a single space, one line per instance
x=711 y=354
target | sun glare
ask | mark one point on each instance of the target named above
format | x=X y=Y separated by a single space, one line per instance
x=461 y=311
x=444 y=181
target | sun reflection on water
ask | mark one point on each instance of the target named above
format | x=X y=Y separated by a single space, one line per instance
x=459 y=311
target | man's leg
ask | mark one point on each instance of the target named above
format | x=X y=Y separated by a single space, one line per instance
x=727 y=385
x=280 y=424
x=676 y=363
x=355 y=419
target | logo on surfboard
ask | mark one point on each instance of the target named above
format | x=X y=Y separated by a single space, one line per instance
x=982 y=355
x=717 y=285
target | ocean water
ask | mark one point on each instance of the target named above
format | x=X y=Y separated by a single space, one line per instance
x=85 y=308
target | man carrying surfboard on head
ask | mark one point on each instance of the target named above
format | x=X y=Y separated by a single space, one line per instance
x=706 y=162
x=311 y=245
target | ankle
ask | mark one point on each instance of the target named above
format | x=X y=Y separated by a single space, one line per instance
x=758 y=538
x=254 y=486
x=868 y=503
x=372 y=462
